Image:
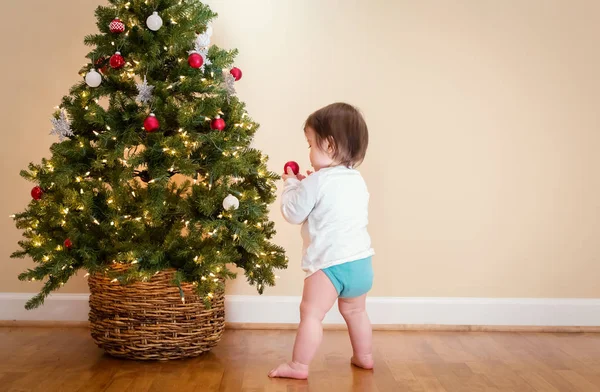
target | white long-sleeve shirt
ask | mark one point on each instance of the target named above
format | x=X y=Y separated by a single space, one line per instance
x=332 y=206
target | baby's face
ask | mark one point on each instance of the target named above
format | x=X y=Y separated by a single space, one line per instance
x=320 y=155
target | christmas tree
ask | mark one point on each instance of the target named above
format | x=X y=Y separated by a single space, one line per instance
x=154 y=168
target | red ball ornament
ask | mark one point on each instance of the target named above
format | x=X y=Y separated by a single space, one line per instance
x=68 y=243
x=218 y=124
x=236 y=73
x=37 y=193
x=195 y=60
x=151 y=124
x=117 y=61
x=292 y=165
x=101 y=65
x=116 y=26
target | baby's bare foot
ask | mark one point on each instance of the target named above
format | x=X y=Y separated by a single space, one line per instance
x=290 y=370
x=363 y=361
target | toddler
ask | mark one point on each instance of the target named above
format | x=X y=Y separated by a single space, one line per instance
x=332 y=206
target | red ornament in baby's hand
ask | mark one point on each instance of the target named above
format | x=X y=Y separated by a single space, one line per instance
x=292 y=165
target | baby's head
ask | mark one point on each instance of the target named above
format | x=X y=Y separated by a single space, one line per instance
x=337 y=135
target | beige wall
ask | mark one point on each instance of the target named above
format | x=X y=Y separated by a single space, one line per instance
x=484 y=117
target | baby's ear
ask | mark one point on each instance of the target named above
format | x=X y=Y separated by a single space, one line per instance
x=330 y=144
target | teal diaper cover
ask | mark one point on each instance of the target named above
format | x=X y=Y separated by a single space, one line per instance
x=351 y=279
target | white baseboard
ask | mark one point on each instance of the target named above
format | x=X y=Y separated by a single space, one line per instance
x=57 y=307
x=382 y=310
x=430 y=311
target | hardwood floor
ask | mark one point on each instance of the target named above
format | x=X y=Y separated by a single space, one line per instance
x=66 y=359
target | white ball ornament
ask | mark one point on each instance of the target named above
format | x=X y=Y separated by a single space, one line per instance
x=231 y=203
x=93 y=78
x=154 y=21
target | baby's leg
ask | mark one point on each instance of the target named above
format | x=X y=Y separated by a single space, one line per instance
x=361 y=335
x=318 y=297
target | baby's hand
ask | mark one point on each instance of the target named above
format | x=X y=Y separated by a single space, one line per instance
x=290 y=174
x=302 y=177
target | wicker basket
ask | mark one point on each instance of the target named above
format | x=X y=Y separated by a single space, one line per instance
x=148 y=320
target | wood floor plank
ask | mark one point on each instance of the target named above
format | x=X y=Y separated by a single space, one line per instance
x=539 y=383
x=66 y=359
x=578 y=381
x=431 y=384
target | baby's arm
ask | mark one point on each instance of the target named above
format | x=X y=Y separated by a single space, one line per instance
x=299 y=199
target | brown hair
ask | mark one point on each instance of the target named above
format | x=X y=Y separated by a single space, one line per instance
x=344 y=127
